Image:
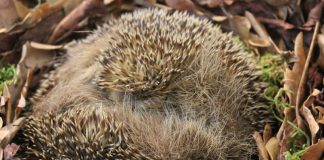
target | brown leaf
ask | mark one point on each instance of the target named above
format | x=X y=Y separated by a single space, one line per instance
x=314 y=15
x=242 y=26
x=310 y=100
x=320 y=59
x=77 y=15
x=272 y=147
x=9 y=131
x=32 y=58
x=21 y=9
x=292 y=77
x=267 y=133
x=277 y=22
x=315 y=151
x=8 y=14
x=180 y=4
x=20 y=106
x=277 y=3
x=263 y=155
x=312 y=124
x=214 y=3
x=10 y=151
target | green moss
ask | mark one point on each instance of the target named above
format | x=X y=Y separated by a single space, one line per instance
x=7 y=75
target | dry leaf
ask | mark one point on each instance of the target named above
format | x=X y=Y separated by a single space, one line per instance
x=242 y=26
x=8 y=14
x=314 y=15
x=9 y=131
x=315 y=151
x=10 y=151
x=320 y=59
x=180 y=4
x=277 y=3
x=292 y=77
x=310 y=100
x=256 y=41
x=21 y=9
x=71 y=21
x=267 y=133
x=272 y=147
x=264 y=39
x=261 y=148
x=43 y=46
x=32 y=58
x=312 y=124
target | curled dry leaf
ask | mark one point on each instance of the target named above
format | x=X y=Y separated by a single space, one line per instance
x=33 y=58
x=10 y=151
x=20 y=106
x=9 y=131
x=314 y=15
x=267 y=133
x=315 y=151
x=292 y=77
x=261 y=148
x=77 y=15
x=241 y=25
x=310 y=100
x=8 y=14
x=312 y=124
x=272 y=147
x=260 y=30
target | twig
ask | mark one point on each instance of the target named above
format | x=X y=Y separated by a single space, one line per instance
x=300 y=90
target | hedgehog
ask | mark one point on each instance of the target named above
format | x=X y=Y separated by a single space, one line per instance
x=178 y=69
x=99 y=131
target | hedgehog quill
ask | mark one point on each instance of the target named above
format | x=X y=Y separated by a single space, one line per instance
x=153 y=84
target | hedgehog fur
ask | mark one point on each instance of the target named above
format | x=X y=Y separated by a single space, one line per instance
x=96 y=131
x=177 y=69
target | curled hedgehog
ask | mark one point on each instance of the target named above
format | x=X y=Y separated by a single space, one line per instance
x=153 y=84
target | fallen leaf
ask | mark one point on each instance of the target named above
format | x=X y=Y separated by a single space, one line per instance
x=272 y=147
x=267 y=133
x=261 y=148
x=10 y=151
x=310 y=100
x=180 y=4
x=8 y=14
x=312 y=124
x=320 y=59
x=9 y=131
x=277 y=3
x=77 y=15
x=292 y=77
x=21 y=9
x=43 y=46
x=32 y=58
x=241 y=25
x=314 y=15
x=276 y=22
x=315 y=151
